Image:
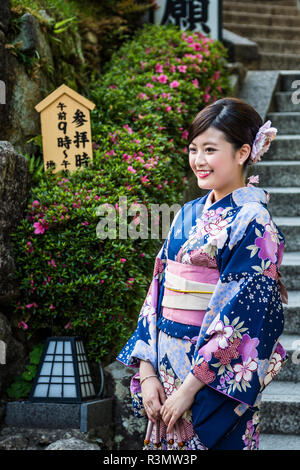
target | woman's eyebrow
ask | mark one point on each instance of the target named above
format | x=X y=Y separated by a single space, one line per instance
x=205 y=143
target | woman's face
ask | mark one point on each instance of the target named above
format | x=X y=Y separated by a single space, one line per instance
x=215 y=163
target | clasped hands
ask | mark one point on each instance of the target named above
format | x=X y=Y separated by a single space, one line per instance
x=171 y=408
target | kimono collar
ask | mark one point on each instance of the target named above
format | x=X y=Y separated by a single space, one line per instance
x=238 y=197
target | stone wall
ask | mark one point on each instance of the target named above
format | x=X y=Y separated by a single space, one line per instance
x=14 y=191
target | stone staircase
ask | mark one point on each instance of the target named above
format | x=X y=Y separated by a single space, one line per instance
x=279 y=173
x=274 y=25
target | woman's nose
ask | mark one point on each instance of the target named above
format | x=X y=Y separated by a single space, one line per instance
x=200 y=157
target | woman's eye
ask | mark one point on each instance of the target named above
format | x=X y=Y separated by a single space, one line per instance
x=210 y=148
x=193 y=150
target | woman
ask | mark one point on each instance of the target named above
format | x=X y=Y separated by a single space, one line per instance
x=207 y=338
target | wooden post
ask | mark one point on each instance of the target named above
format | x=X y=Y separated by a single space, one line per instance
x=66 y=130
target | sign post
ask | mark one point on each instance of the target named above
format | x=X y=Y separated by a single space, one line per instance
x=66 y=130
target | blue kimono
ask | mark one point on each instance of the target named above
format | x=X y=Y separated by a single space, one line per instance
x=231 y=342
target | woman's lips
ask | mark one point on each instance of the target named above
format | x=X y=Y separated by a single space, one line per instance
x=204 y=174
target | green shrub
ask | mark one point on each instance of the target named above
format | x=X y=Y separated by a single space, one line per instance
x=67 y=276
x=21 y=386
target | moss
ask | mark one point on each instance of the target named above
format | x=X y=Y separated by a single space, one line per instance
x=83 y=34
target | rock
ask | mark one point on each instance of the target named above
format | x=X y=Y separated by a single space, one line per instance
x=33 y=39
x=16 y=442
x=15 y=438
x=5 y=14
x=72 y=444
x=129 y=430
x=14 y=192
x=15 y=355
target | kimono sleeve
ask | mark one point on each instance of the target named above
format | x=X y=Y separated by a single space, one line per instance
x=143 y=343
x=238 y=351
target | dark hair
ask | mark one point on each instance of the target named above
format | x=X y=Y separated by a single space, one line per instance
x=234 y=117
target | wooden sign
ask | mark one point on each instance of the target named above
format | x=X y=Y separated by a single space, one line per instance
x=66 y=130
x=193 y=15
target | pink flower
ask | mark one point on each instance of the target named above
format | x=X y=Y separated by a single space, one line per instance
x=35 y=203
x=123 y=260
x=168 y=109
x=263 y=140
x=68 y=326
x=247 y=348
x=149 y=85
x=182 y=68
x=195 y=83
x=217 y=74
x=142 y=255
x=129 y=130
x=131 y=169
x=52 y=307
x=23 y=325
x=268 y=247
x=174 y=84
x=52 y=262
x=143 y=96
x=144 y=179
x=40 y=226
x=162 y=78
x=33 y=305
x=245 y=370
x=196 y=46
x=223 y=333
x=85 y=223
x=184 y=134
x=159 y=68
x=190 y=39
x=253 y=179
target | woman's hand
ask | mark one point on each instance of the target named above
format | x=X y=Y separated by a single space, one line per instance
x=152 y=391
x=180 y=401
x=153 y=397
x=174 y=407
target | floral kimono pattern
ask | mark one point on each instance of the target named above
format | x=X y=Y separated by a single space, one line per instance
x=236 y=352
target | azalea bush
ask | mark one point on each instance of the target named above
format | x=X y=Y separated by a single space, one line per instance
x=71 y=279
x=159 y=81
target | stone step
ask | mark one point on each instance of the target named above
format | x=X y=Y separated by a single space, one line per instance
x=272 y=32
x=283 y=147
x=290 y=372
x=284 y=202
x=292 y=313
x=290 y=269
x=290 y=227
x=280 y=408
x=287 y=79
x=275 y=61
x=288 y=101
x=281 y=173
x=285 y=122
x=279 y=442
x=238 y=16
x=283 y=3
x=278 y=45
x=261 y=7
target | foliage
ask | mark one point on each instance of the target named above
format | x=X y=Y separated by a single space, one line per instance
x=21 y=386
x=82 y=35
x=67 y=274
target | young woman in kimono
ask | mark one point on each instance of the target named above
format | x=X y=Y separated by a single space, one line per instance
x=207 y=337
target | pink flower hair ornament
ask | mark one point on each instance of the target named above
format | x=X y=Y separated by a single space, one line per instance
x=262 y=141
